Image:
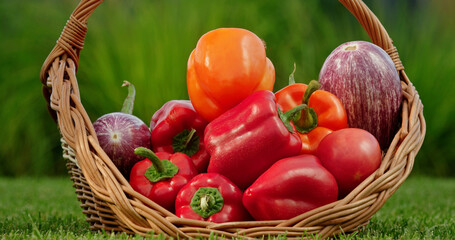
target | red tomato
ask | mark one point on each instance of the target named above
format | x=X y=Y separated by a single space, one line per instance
x=351 y=155
x=227 y=65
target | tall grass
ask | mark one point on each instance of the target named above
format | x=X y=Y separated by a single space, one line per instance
x=29 y=143
x=148 y=43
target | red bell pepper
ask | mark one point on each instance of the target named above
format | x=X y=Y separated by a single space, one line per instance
x=290 y=187
x=247 y=139
x=211 y=197
x=160 y=176
x=176 y=127
x=324 y=112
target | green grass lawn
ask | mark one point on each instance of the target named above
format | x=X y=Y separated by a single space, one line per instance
x=47 y=208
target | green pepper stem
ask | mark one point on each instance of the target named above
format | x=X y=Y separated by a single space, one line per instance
x=189 y=137
x=207 y=201
x=186 y=142
x=308 y=119
x=128 y=104
x=311 y=88
x=145 y=152
x=288 y=116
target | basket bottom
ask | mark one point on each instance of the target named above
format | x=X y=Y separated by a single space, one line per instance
x=98 y=214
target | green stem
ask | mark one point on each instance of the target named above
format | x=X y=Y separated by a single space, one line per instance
x=186 y=142
x=160 y=169
x=128 y=104
x=312 y=87
x=291 y=76
x=207 y=201
x=288 y=116
x=145 y=152
x=308 y=119
x=189 y=137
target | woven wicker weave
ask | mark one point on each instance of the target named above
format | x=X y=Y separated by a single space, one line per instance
x=111 y=204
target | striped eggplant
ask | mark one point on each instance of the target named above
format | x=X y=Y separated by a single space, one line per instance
x=363 y=76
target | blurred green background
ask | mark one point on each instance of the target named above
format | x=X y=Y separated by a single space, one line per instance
x=148 y=43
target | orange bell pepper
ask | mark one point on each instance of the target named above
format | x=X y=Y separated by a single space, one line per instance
x=227 y=65
x=324 y=112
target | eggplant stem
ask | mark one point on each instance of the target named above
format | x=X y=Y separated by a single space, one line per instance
x=128 y=104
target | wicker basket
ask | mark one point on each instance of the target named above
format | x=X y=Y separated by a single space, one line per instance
x=109 y=202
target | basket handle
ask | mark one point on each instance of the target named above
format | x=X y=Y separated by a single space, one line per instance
x=374 y=29
x=69 y=45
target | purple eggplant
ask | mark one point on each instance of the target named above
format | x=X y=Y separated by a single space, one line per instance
x=119 y=133
x=363 y=76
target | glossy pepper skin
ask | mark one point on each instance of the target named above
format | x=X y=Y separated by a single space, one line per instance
x=226 y=66
x=330 y=112
x=246 y=140
x=290 y=187
x=178 y=171
x=176 y=127
x=211 y=197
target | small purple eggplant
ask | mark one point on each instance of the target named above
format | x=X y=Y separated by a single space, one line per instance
x=119 y=133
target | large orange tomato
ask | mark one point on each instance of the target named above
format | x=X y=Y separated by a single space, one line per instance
x=227 y=65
